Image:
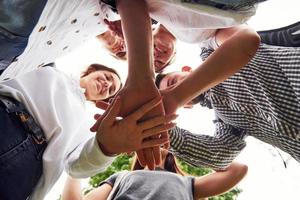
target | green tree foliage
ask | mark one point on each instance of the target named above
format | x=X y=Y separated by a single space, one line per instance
x=123 y=162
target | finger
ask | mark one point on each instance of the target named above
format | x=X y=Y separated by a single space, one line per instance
x=97 y=116
x=157 y=155
x=95 y=127
x=145 y=108
x=113 y=112
x=155 y=121
x=154 y=142
x=165 y=134
x=102 y=105
x=141 y=157
x=148 y=154
x=98 y=119
x=166 y=145
x=158 y=130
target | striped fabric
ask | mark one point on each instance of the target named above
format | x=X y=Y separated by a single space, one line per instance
x=261 y=100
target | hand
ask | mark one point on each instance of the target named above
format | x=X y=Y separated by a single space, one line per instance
x=129 y=134
x=133 y=96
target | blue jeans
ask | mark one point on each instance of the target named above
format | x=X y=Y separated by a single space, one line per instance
x=20 y=158
x=17 y=20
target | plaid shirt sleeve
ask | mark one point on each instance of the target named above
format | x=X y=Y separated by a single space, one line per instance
x=215 y=152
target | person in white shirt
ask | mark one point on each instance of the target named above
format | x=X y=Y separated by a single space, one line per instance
x=45 y=129
x=60 y=28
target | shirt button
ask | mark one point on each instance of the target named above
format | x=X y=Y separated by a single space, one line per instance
x=73 y=21
x=49 y=42
x=42 y=28
x=269 y=119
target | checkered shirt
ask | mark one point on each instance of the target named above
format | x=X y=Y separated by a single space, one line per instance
x=261 y=100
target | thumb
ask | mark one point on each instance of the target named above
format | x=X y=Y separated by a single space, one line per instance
x=97 y=116
x=102 y=105
x=110 y=114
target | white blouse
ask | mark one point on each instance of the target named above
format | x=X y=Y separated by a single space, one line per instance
x=63 y=26
x=58 y=105
x=192 y=22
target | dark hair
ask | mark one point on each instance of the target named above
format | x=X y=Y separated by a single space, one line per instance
x=159 y=77
x=98 y=67
x=170 y=164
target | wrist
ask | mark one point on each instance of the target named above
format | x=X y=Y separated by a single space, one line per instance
x=178 y=97
x=105 y=151
x=140 y=79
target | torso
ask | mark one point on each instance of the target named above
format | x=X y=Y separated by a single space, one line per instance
x=152 y=185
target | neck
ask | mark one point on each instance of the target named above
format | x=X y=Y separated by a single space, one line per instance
x=82 y=84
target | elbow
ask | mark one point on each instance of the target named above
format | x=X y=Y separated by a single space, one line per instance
x=240 y=170
x=251 y=42
x=243 y=170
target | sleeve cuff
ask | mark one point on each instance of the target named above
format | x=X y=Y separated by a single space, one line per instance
x=176 y=138
x=94 y=152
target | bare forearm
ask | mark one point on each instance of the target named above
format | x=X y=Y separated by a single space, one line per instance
x=137 y=31
x=235 y=51
x=72 y=189
x=219 y=182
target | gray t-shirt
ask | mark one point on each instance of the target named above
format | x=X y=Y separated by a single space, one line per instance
x=152 y=185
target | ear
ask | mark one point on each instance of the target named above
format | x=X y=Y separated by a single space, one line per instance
x=186 y=69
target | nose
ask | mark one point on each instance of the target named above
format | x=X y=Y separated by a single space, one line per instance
x=106 y=85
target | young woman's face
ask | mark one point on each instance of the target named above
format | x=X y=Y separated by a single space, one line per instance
x=164 y=49
x=101 y=85
x=172 y=79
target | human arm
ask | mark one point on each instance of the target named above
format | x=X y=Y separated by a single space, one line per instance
x=114 y=137
x=215 y=152
x=139 y=86
x=72 y=191
x=219 y=181
x=237 y=45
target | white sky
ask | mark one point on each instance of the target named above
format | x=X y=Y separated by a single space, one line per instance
x=267 y=178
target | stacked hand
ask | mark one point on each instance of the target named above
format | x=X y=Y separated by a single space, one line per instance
x=134 y=131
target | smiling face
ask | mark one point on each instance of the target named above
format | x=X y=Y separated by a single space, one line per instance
x=100 y=85
x=164 y=47
x=172 y=79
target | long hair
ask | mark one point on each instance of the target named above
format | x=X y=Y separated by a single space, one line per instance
x=170 y=164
